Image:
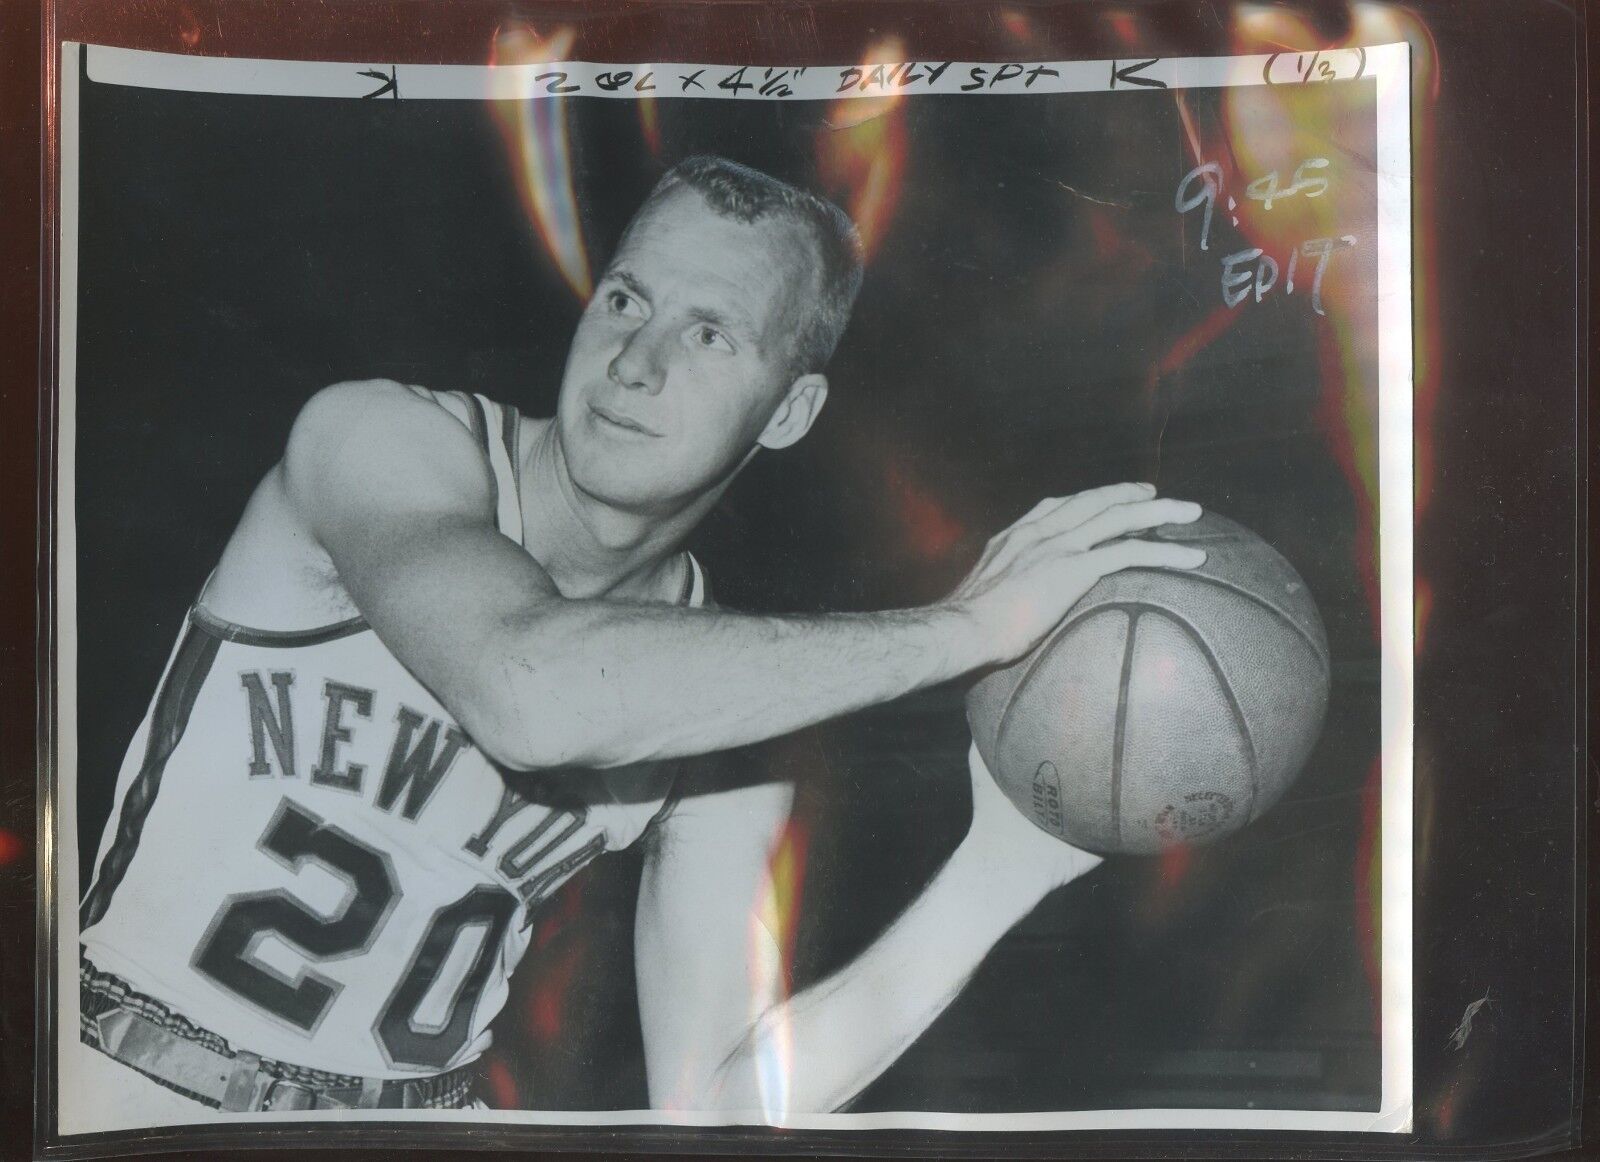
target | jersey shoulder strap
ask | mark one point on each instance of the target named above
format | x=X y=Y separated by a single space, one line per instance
x=496 y=428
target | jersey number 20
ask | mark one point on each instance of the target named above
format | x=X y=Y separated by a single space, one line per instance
x=294 y=836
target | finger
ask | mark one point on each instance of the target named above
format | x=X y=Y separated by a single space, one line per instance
x=1122 y=519
x=1142 y=555
x=1090 y=528
x=1080 y=506
x=1048 y=504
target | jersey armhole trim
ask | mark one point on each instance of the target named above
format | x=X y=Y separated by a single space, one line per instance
x=230 y=631
x=695 y=591
x=471 y=411
x=476 y=420
x=696 y=595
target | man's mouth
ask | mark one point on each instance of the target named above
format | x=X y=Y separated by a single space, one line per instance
x=617 y=419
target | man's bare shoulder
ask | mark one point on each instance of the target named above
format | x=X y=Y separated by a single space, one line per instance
x=365 y=446
x=360 y=446
x=377 y=409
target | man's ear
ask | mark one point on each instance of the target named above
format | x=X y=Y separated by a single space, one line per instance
x=796 y=413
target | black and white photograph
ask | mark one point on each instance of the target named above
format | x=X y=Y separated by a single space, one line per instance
x=849 y=597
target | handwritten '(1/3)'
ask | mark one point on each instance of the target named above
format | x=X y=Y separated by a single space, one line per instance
x=1251 y=271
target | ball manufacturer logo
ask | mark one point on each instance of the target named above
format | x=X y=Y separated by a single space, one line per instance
x=1198 y=816
x=1047 y=799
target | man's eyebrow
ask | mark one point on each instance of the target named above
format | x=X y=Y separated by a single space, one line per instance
x=627 y=279
x=735 y=321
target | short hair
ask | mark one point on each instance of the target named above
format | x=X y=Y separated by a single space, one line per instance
x=748 y=195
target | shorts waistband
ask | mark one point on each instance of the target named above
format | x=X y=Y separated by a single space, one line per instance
x=152 y=1038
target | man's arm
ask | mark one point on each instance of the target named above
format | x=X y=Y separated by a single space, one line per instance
x=719 y=1034
x=393 y=490
x=708 y=931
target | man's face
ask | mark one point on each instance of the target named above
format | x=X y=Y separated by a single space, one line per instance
x=683 y=354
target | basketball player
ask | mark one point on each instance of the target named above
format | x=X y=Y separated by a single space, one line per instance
x=319 y=875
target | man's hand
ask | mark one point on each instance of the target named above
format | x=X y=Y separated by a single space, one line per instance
x=1004 y=841
x=1033 y=572
x=712 y=1037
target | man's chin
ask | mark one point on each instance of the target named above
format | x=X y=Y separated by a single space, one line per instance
x=625 y=491
x=630 y=479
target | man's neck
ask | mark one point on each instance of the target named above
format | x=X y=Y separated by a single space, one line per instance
x=591 y=548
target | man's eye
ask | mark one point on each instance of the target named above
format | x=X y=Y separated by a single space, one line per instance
x=622 y=303
x=710 y=339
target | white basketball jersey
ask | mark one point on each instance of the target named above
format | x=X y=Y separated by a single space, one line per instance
x=312 y=860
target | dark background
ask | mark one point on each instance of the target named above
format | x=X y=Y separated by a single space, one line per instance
x=1497 y=676
x=237 y=253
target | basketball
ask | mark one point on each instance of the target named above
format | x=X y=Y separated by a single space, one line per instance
x=1169 y=706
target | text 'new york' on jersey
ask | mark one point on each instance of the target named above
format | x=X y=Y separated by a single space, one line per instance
x=310 y=857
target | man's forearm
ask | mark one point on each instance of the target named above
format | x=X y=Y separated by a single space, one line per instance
x=838 y=1035
x=601 y=684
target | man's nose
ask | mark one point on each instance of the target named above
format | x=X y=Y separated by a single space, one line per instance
x=639 y=365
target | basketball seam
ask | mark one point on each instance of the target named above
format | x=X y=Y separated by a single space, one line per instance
x=1120 y=730
x=1132 y=609
x=1320 y=651
x=1035 y=660
x=1202 y=538
x=1234 y=708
